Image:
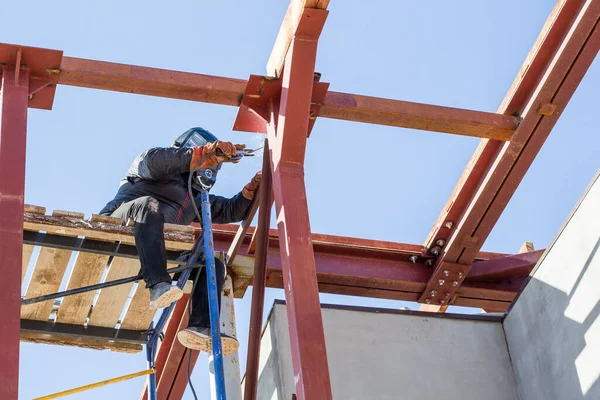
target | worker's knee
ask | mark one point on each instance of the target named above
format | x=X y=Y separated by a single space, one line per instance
x=150 y=212
x=150 y=204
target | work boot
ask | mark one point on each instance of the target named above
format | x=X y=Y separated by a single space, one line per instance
x=163 y=294
x=199 y=338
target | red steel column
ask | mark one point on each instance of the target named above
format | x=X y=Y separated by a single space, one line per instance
x=288 y=145
x=13 y=130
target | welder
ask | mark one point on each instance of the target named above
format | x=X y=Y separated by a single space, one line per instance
x=154 y=192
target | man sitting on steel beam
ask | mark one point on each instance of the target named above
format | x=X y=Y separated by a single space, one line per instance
x=155 y=191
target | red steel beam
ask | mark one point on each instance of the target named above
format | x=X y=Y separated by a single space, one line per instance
x=373 y=110
x=259 y=279
x=548 y=42
x=370 y=268
x=14 y=94
x=343 y=245
x=510 y=267
x=229 y=91
x=151 y=81
x=180 y=382
x=559 y=60
x=165 y=360
x=171 y=353
x=288 y=146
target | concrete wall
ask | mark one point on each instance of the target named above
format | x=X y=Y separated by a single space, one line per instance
x=553 y=329
x=395 y=356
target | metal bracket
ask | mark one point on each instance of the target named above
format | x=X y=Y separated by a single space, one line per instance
x=444 y=283
x=254 y=114
x=41 y=63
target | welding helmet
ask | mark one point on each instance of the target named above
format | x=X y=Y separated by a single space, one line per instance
x=205 y=178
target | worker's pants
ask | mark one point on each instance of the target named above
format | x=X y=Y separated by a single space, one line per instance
x=150 y=243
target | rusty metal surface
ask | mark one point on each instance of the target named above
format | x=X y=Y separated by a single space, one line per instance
x=288 y=147
x=13 y=133
x=486 y=196
x=373 y=110
x=230 y=91
x=43 y=67
x=151 y=81
x=259 y=280
x=165 y=360
x=363 y=267
x=509 y=267
x=253 y=114
x=532 y=71
x=441 y=291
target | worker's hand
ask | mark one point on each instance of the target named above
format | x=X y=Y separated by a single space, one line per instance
x=219 y=152
x=250 y=189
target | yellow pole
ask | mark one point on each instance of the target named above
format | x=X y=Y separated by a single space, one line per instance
x=96 y=385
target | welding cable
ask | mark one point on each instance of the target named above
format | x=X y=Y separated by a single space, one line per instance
x=189 y=351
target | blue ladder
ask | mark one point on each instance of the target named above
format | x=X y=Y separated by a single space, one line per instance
x=207 y=244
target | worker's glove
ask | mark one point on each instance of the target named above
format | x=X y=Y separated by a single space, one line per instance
x=219 y=152
x=250 y=189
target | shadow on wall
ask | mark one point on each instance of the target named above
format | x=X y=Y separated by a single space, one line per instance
x=553 y=331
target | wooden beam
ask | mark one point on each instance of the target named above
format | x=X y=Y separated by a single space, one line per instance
x=74 y=226
x=242 y=230
x=88 y=270
x=526 y=247
x=48 y=272
x=111 y=300
x=139 y=314
x=290 y=23
x=83 y=342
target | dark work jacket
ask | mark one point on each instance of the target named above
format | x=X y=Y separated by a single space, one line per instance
x=162 y=173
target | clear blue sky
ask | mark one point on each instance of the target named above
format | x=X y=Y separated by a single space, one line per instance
x=462 y=54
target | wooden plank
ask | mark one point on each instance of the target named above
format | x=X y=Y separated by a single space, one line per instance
x=287 y=32
x=85 y=343
x=526 y=247
x=47 y=276
x=240 y=235
x=179 y=228
x=88 y=270
x=139 y=315
x=68 y=226
x=34 y=209
x=27 y=251
x=68 y=214
x=433 y=308
x=111 y=301
x=105 y=219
